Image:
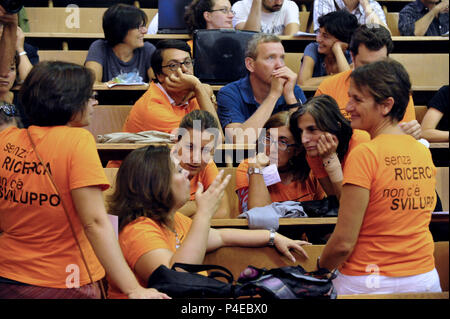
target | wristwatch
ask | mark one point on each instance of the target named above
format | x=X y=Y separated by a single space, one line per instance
x=254 y=170
x=271 y=238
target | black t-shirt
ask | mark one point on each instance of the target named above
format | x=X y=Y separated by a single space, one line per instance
x=440 y=101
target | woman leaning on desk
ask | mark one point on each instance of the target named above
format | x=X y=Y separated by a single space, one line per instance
x=381 y=242
x=50 y=174
x=151 y=187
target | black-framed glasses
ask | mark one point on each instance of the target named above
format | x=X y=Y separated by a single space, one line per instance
x=282 y=145
x=8 y=109
x=224 y=11
x=173 y=66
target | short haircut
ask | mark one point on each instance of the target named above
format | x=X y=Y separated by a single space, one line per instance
x=341 y=24
x=328 y=117
x=204 y=119
x=54 y=92
x=157 y=57
x=384 y=79
x=119 y=19
x=143 y=186
x=374 y=38
x=252 y=45
x=193 y=15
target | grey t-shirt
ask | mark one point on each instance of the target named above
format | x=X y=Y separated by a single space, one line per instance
x=102 y=53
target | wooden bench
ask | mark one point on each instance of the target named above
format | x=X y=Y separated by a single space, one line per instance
x=236 y=259
x=70 y=19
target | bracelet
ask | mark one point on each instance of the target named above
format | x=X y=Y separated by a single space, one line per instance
x=272 y=238
x=320 y=268
x=22 y=53
x=329 y=159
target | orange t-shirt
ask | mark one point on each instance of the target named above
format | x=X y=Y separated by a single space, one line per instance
x=144 y=235
x=37 y=246
x=153 y=111
x=337 y=86
x=206 y=177
x=316 y=163
x=394 y=237
x=279 y=192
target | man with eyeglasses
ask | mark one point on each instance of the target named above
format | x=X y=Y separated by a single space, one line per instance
x=270 y=86
x=424 y=17
x=268 y=16
x=174 y=92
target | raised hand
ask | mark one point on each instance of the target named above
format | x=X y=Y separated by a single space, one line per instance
x=209 y=201
x=327 y=145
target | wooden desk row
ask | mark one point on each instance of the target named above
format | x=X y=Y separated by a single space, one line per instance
x=82 y=41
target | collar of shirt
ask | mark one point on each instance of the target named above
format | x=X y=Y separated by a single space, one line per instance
x=358 y=11
x=171 y=101
x=247 y=91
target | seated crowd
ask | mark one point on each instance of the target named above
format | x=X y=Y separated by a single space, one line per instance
x=356 y=140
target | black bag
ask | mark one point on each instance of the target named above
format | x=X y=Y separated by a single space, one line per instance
x=327 y=207
x=189 y=284
x=291 y=282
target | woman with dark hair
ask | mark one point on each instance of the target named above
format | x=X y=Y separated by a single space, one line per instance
x=382 y=243
x=151 y=187
x=327 y=138
x=123 y=52
x=209 y=14
x=198 y=135
x=9 y=114
x=329 y=54
x=281 y=149
x=57 y=240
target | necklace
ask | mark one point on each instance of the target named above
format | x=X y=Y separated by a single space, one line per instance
x=177 y=239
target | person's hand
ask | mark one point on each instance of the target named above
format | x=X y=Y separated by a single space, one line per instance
x=261 y=160
x=209 y=201
x=147 y=293
x=412 y=128
x=441 y=8
x=327 y=145
x=20 y=40
x=180 y=81
x=284 y=245
x=8 y=19
x=339 y=45
x=291 y=79
x=277 y=86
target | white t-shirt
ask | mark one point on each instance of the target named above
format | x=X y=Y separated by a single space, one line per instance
x=153 y=26
x=273 y=22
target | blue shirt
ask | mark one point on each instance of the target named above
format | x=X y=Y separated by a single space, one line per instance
x=236 y=102
x=311 y=50
x=415 y=11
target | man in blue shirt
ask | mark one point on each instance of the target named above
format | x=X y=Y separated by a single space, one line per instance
x=245 y=105
x=424 y=17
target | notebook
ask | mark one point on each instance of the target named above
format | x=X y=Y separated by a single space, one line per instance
x=220 y=55
x=171 y=16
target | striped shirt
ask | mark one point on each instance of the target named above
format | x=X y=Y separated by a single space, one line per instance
x=415 y=11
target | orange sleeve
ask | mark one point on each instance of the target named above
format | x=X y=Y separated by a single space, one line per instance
x=241 y=175
x=316 y=165
x=360 y=167
x=211 y=171
x=410 y=113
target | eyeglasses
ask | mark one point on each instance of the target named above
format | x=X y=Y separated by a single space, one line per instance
x=8 y=109
x=282 y=145
x=175 y=65
x=224 y=11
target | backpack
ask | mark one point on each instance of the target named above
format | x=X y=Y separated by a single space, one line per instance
x=291 y=282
